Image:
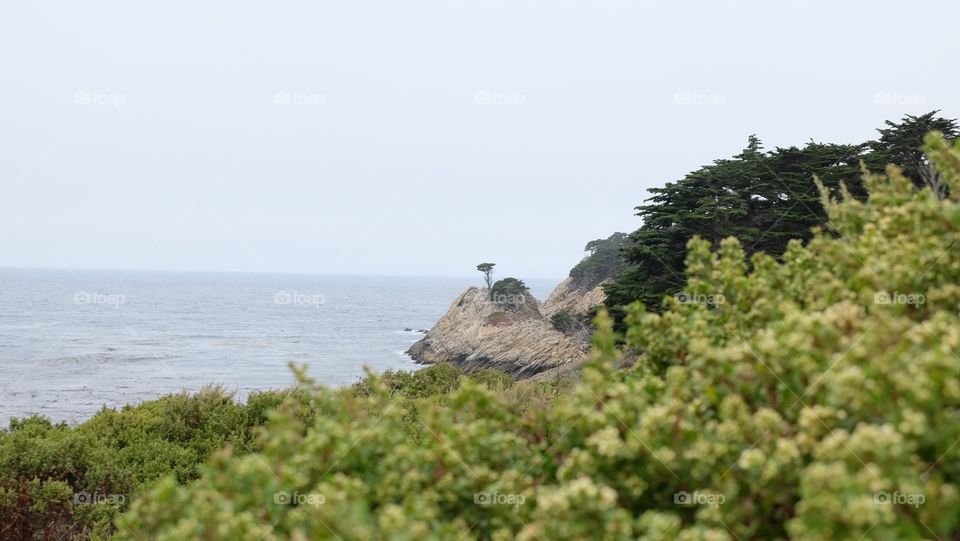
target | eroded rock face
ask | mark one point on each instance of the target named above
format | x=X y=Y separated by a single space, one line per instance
x=515 y=337
x=573 y=299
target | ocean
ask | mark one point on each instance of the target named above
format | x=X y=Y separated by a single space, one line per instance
x=72 y=342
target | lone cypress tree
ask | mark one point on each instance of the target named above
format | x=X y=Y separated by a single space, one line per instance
x=487 y=270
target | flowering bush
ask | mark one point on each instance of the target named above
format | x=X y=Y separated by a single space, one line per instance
x=820 y=400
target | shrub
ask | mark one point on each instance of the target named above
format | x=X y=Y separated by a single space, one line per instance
x=568 y=323
x=64 y=482
x=434 y=381
x=807 y=405
x=510 y=292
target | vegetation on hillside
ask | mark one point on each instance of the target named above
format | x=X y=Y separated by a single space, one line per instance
x=763 y=198
x=819 y=400
x=509 y=292
x=603 y=263
x=570 y=324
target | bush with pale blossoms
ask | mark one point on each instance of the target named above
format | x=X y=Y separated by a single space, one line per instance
x=819 y=400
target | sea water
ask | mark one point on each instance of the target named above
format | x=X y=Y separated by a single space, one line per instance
x=72 y=342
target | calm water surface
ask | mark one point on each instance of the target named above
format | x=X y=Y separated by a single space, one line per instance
x=72 y=342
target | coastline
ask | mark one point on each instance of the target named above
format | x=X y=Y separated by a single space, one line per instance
x=180 y=331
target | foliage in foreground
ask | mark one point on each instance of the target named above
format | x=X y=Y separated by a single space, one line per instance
x=63 y=482
x=819 y=400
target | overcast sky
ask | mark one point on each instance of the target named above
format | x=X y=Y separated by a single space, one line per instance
x=416 y=137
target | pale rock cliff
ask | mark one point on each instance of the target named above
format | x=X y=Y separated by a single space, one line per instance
x=515 y=338
x=570 y=297
x=519 y=337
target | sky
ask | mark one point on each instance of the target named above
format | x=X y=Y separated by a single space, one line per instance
x=414 y=137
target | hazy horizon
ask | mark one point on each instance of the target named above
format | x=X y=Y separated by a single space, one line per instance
x=412 y=138
x=476 y=276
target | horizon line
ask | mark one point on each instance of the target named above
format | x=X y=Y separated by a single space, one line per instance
x=268 y=273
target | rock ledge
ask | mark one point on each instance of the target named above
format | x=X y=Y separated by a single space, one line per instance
x=514 y=338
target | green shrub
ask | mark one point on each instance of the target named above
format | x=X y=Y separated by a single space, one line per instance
x=433 y=381
x=509 y=292
x=63 y=482
x=798 y=407
x=568 y=323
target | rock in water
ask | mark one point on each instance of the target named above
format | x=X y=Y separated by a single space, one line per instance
x=515 y=337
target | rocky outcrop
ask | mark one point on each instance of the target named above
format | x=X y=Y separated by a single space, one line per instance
x=515 y=338
x=583 y=289
x=572 y=298
x=516 y=334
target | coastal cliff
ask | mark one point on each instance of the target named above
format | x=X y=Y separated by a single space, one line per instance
x=572 y=298
x=583 y=288
x=515 y=338
x=514 y=332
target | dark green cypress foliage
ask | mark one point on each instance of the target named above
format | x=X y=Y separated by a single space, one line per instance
x=764 y=198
